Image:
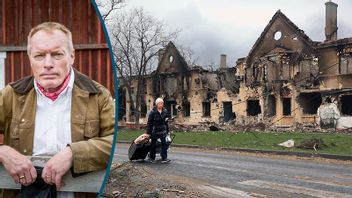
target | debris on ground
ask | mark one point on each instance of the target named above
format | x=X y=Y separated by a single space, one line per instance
x=313 y=143
x=252 y=125
x=288 y=144
x=214 y=128
x=132 y=179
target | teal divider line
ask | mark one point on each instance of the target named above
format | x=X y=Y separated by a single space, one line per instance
x=116 y=96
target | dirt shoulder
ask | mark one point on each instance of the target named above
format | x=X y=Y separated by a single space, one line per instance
x=135 y=179
x=132 y=179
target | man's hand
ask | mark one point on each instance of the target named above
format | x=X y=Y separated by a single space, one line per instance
x=146 y=138
x=17 y=165
x=57 y=166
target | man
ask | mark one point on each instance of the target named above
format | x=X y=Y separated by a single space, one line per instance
x=158 y=128
x=57 y=112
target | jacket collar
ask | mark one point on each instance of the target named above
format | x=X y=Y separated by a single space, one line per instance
x=24 y=85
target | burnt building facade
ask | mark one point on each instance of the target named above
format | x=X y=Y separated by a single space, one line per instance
x=191 y=94
x=282 y=82
x=290 y=76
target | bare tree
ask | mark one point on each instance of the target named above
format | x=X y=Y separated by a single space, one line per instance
x=107 y=7
x=211 y=66
x=136 y=39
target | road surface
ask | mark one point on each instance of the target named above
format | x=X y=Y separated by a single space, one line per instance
x=233 y=174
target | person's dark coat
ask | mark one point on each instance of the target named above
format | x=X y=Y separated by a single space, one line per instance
x=157 y=125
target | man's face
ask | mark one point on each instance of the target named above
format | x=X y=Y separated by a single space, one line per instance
x=50 y=58
x=160 y=105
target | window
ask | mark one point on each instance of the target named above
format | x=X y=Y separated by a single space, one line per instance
x=206 y=109
x=144 y=86
x=346 y=105
x=227 y=109
x=185 y=83
x=253 y=107
x=277 y=35
x=132 y=111
x=345 y=64
x=271 y=105
x=173 y=110
x=122 y=103
x=143 y=110
x=171 y=59
x=186 y=107
x=309 y=102
x=286 y=102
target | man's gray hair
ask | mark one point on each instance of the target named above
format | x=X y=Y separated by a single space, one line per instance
x=159 y=100
x=50 y=27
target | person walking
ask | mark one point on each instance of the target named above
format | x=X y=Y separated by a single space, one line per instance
x=158 y=128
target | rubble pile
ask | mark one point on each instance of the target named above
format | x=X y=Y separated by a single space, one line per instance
x=137 y=180
x=263 y=126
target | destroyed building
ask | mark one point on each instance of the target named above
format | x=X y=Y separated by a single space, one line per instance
x=289 y=75
x=191 y=94
x=282 y=82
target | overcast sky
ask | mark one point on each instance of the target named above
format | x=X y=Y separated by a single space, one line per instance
x=213 y=27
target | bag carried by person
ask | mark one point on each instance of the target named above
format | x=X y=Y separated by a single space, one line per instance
x=38 y=189
x=139 y=149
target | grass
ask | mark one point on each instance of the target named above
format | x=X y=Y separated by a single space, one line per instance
x=335 y=143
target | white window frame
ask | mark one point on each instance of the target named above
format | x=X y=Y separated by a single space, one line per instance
x=2 y=69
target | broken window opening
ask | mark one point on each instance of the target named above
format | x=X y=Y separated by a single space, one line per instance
x=143 y=110
x=277 y=35
x=265 y=73
x=171 y=59
x=253 y=107
x=173 y=110
x=144 y=86
x=346 y=105
x=256 y=74
x=227 y=109
x=197 y=81
x=184 y=84
x=122 y=103
x=186 y=107
x=162 y=84
x=132 y=111
x=310 y=102
x=170 y=106
x=206 y=109
x=345 y=66
x=156 y=86
x=271 y=106
x=286 y=103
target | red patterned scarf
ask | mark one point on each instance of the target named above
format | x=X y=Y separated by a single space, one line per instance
x=53 y=95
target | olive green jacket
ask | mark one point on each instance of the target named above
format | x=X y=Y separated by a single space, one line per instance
x=92 y=121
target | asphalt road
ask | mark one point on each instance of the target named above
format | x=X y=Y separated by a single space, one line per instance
x=233 y=174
